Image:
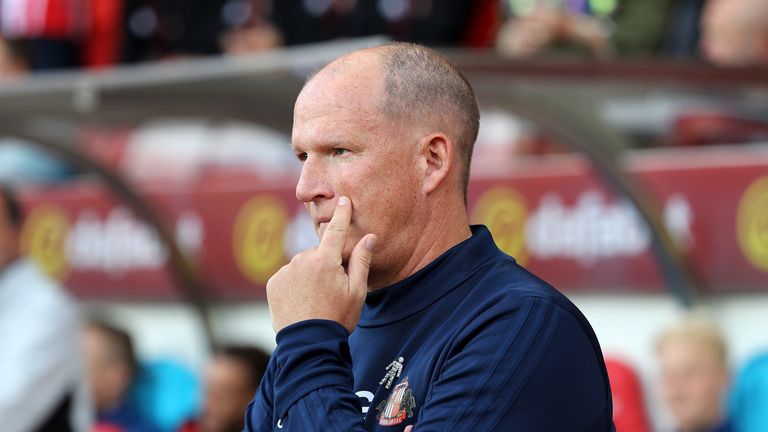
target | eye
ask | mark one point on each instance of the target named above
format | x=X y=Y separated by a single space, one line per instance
x=340 y=151
x=301 y=156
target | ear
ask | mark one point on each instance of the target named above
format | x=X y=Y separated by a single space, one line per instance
x=437 y=156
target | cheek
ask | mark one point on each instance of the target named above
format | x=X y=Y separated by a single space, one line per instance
x=379 y=208
x=382 y=194
x=708 y=385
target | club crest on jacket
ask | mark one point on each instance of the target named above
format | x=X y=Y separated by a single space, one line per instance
x=398 y=406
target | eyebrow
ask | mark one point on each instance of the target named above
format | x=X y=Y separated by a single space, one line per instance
x=323 y=145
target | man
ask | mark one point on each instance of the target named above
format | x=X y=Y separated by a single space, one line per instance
x=41 y=371
x=443 y=23
x=112 y=367
x=404 y=315
x=694 y=375
x=622 y=28
x=231 y=379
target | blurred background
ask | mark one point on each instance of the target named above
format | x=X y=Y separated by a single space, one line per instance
x=622 y=156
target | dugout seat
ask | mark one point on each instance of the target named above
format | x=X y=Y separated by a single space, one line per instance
x=167 y=393
x=749 y=398
x=629 y=413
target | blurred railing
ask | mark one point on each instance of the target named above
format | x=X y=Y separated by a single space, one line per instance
x=575 y=103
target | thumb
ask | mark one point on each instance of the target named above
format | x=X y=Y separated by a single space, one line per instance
x=360 y=262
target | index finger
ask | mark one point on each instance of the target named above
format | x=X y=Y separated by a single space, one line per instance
x=335 y=234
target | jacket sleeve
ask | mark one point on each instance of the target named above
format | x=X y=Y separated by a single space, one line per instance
x=258 y=414
x=309 y=384
x=530 y=366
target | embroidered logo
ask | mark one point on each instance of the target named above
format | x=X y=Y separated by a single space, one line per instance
x=393 y=372
x=398 y=406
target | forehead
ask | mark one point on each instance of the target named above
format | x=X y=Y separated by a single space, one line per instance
x=340 y=99
x=689 y=349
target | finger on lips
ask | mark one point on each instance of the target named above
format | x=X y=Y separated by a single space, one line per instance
x=360 y=263
x=335 y=234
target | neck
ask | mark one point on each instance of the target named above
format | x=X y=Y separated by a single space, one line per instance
x=438 y=232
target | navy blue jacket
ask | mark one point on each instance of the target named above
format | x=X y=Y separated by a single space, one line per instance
x=473 y=343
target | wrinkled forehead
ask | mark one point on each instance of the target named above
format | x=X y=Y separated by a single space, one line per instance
x=349 y=98
x=355 y=81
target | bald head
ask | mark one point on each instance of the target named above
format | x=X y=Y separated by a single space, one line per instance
x=694 y=375
x=415 y=85
x=392 y=129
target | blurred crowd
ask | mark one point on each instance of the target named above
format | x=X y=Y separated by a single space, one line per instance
x=53 y=34
x=127 y=395
x=40 y=35
x=61 y=371
x=105 y=387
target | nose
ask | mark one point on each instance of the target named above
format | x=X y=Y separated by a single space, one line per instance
x=313 y=182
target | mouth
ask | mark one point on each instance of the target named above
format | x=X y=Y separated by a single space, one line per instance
x=321 y=224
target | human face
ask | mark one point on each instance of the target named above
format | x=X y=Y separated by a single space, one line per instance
x=349 y=147
x=693 y=382
x=108 y=377
x=227 y=395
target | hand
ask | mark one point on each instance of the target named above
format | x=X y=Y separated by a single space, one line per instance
x=531 y=34
x=591 y=33
x=259 y=38
x=314 y=285
x=534 y=33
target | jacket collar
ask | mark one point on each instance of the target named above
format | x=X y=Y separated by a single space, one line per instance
x=419 y=290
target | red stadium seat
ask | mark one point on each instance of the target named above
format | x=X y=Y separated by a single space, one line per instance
x=629 y=414
x=106 y=427
x=483 y=24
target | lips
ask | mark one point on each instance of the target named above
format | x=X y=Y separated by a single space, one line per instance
x=320 y=224
x=322 y=221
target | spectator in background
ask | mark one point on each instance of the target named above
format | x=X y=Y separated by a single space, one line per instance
x=735 y=32
x=159 y=29
x=231 y=380
x=101 y=47
x=98 y=33
x=682 y=33
x=41 y=370
x=248 y=27
x=112 y=367
x=14 y=60
x=694 y=375
x=600 y=29
x=428 y=22
x=52 y=29
x=60 y=34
